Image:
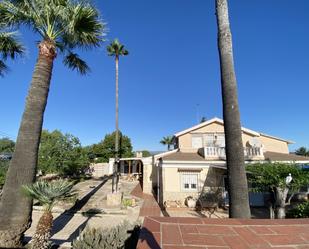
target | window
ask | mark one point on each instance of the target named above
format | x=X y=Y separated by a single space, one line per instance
x=214 y=140
x=209 y=139
x=197 y=141
x=189 y=181
x=220 y=140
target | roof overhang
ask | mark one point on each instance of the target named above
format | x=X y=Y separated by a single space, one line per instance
x=213 y=120
x=220 y=121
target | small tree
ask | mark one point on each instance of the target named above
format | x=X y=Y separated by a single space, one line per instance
x=302 y=151
x=61 y=153
x=146 y=153
x=47 y=193
x=168 y=140
x=106 y=148
x=6 y=145
x=275 y=178
x=203 y=119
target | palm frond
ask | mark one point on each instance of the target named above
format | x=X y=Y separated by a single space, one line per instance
x=115 y=48
x=10 y=45
x=14 y=13
x=3 y=68
x=74 y=62
x=47 y=193
x=83 y=27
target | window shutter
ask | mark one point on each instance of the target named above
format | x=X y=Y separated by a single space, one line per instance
x=197 y=141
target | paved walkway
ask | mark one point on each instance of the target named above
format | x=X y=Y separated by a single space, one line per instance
x=150 y=206
x=202 y=233
x=90 y=210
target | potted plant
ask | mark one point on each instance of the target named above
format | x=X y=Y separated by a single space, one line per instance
x=191 y=202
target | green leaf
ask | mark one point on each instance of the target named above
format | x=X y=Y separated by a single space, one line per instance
x=74 y=62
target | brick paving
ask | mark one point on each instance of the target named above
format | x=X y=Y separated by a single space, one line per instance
x=203 y=233
x=150 y=206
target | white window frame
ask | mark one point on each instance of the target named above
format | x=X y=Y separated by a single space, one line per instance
x=189 y=178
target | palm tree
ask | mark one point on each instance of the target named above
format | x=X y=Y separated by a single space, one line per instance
x=168 y=140
x=116 y=49
x=11 y=47
x=63 y=26
x=238 y=188
x=47 y=194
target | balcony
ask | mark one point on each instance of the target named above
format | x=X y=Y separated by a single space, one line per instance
x=251 y=153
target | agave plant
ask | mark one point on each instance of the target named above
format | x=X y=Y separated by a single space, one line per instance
x=47 y=194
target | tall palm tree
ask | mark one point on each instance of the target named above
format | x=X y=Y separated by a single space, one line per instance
x=10 y=47
x=168 y=140
x=116 y=49
x=47 y=193
x=63 y=26
x=238 y=188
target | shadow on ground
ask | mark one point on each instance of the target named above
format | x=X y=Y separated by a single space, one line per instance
x=61 y=221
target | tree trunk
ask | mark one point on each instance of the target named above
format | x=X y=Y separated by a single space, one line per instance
x=238 y=188
x=281 y=195
x=15 y=207
x=40 y=239
x=117 y=125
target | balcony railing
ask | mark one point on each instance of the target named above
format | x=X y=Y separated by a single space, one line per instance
x=219 y=152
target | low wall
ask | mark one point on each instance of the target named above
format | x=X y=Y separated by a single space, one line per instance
x=98 y=170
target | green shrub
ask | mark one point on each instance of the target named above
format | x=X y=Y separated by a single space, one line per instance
x=121 y=236
x=127 y=202
x=301 y=211
x=4 y=165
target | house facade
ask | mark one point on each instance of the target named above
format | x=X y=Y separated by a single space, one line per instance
x=198 y=162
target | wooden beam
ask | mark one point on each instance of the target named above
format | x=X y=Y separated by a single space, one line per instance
x=129 y=167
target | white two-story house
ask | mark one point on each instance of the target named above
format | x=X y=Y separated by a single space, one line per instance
x=198 y=162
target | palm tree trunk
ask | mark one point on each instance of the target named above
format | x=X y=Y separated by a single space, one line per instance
x=117 y=124
x=16 y=208
x=40 y=239
x=238 y=188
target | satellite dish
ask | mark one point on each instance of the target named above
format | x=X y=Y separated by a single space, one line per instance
x=255 y=142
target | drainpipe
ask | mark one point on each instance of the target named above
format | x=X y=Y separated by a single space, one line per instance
x=158 y=181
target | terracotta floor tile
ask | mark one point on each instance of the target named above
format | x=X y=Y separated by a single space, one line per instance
x=261 y=230
x=202 y=239
x=171 y=234
x=188 y=229
x=284 y=239
x=213 y=229
x=236 y=242
x=183 y=247
x=250 y=237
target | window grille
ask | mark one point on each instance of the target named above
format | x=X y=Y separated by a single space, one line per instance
x=189 y=181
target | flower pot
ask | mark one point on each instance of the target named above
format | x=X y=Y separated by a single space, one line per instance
x=191 y=203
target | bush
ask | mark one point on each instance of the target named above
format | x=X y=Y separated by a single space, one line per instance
x=124 y=235
x=4 y=165
x=301 y=211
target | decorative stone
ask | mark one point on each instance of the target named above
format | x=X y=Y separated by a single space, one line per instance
x=114 y=199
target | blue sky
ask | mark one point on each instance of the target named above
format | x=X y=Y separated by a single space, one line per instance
x=172 y=68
